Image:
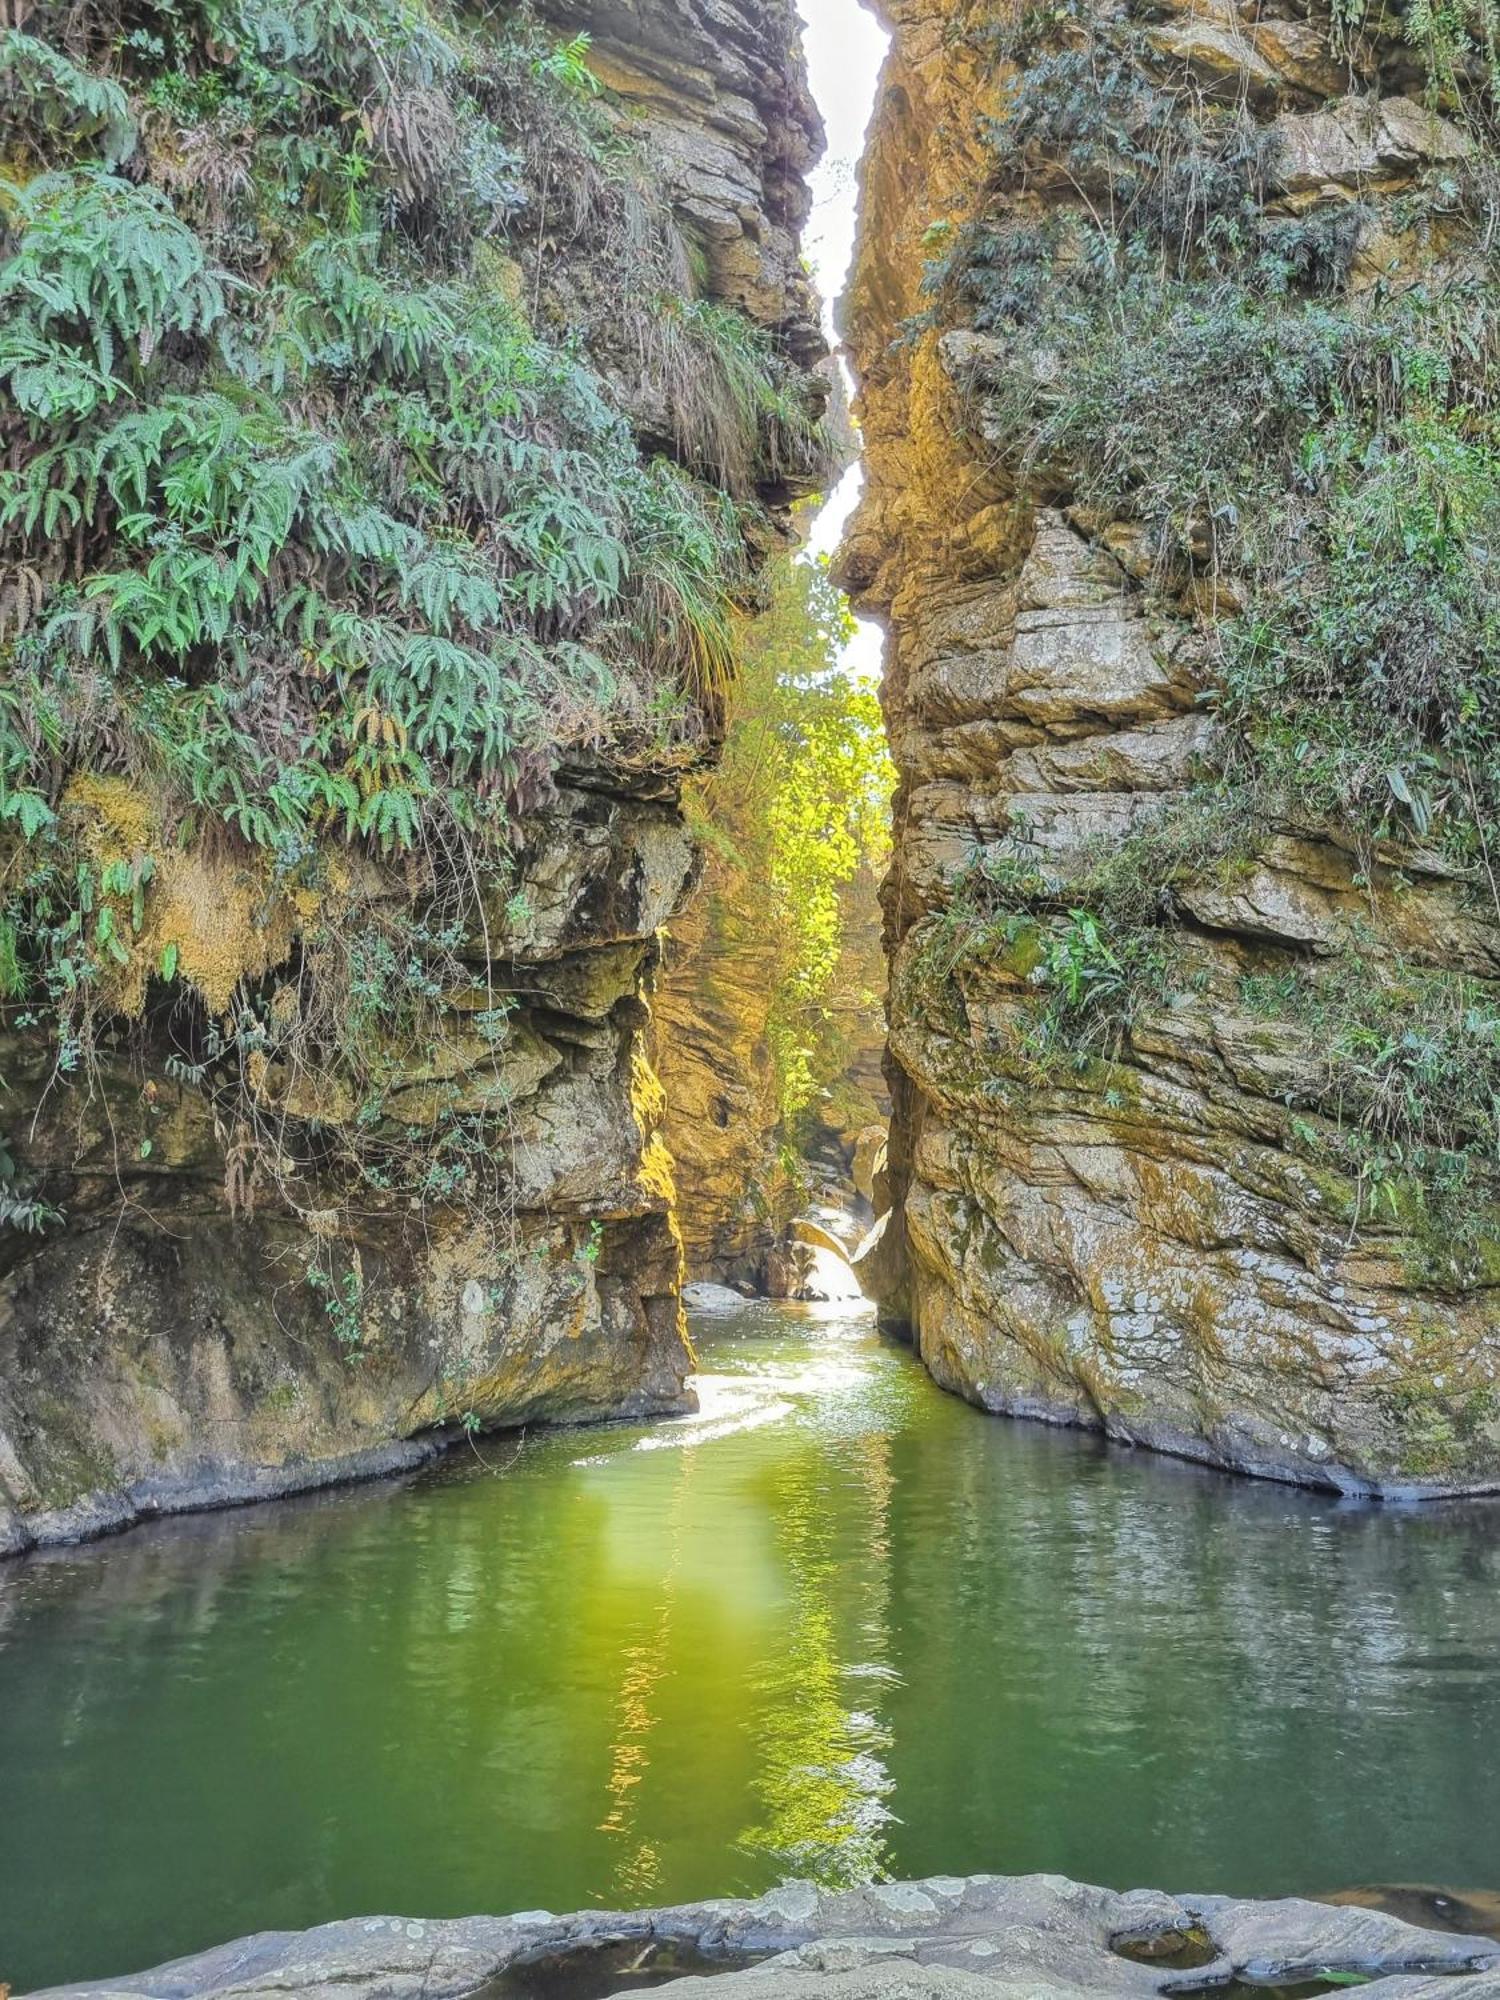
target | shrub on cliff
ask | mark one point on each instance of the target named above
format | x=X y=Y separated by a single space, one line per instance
x=325 y=530
x=1281 y=400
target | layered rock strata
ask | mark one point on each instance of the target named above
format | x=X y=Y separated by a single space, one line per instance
x=741 y=1176
x=167 y=1350
x=711 y=1010
x=1143 y=1217
x=185 y=1336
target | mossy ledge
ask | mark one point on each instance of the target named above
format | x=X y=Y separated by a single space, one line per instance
x=1176 y=325
x=397 y=408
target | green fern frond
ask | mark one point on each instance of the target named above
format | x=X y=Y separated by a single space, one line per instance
x=56 y=102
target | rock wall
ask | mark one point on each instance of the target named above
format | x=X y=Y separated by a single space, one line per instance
x=1150 y=1214
x=723 y=95
x=186 y=1335
x=166 y=1348
x=710 y=1009
x=736 y=1191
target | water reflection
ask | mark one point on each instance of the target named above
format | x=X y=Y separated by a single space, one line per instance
x=637 y=1875
x=834 y=1623
x=822 y=1780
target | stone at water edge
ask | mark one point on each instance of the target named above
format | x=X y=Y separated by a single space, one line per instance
x=978 y=1937
x=703 y=1296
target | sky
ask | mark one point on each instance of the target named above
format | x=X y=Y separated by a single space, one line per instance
x=845 y=47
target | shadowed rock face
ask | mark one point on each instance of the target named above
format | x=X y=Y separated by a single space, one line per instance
x=173 y=1355
x=711 y=1009
x=164 y=1350
x=1139 y=1245
x=981 y=1937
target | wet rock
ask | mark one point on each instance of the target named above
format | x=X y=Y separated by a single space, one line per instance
x=702 y=1296
x=978 y=1937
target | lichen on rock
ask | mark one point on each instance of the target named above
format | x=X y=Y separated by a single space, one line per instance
x=1178 y=444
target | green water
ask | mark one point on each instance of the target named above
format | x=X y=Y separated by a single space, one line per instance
x=837 y=1623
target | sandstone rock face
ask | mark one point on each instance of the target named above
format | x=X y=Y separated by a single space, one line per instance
x=977 y=1937
x=187 y=1338
x=170 y=1349
x=710 y=1008
x=1141 y=1238
x=733 y=130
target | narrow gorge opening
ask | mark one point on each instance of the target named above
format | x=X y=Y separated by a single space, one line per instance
x=770 y=1011
x=441 y=807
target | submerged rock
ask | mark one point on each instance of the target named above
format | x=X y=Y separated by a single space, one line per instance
x=977 y=1937
x=704 y=1296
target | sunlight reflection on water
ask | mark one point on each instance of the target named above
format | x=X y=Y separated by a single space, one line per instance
x=864 y=1629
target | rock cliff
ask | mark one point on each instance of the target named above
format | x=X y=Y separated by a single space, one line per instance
x=742 y=1171
x=711 y=1008
x=1171 y=325
x=341 y=1153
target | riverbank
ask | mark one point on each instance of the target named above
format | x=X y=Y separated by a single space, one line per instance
x=950 y=1938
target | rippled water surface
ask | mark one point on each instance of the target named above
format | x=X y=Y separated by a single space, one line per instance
x=837 y=1623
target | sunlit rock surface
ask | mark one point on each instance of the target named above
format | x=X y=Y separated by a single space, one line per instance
x=948 y=1938
x=1134 y=1246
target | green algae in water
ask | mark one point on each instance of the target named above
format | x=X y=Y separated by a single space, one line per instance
x=1193 y=1949
x=1171 y=1950
x=838 y=1623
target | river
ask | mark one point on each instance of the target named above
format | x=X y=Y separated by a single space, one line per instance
x=836 y=1624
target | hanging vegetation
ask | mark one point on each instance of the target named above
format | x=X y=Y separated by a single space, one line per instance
x=1185 y=343
x=325 y=533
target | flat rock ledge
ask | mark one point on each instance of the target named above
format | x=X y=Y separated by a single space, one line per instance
x=976 y=1937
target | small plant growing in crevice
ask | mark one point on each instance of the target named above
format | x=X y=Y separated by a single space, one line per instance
x=343 y=1303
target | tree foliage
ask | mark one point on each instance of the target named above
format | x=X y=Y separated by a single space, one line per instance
x=798 y=806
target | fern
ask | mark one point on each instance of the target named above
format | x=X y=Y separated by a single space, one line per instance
x=49 y=382
x=102 y=262
x=338 y=548
x=369 y=49
x=56 y=101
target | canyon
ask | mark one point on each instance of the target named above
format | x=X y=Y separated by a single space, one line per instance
x=1191 y=1006
x=472 y=935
